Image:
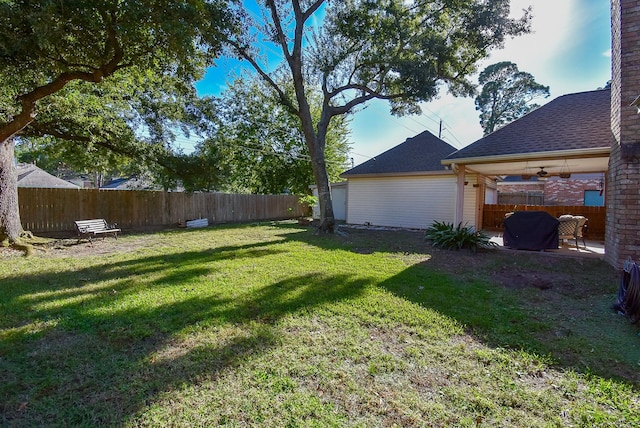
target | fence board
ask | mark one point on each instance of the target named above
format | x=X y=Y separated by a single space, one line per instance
x=55 y=210
x=493 y=215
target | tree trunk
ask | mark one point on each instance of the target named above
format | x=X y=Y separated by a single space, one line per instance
x=319 y=167
x=327 y=220
x=315 y=140
x=10 y=227
x=315 y=145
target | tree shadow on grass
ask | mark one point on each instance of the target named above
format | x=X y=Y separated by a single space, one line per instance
x=565 y=315
x=571 y=322
x=40 y=284
x=95 y=359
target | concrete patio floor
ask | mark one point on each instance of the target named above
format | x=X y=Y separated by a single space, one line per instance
x=593 y=248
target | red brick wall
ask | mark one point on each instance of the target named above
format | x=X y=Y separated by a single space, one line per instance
x=520 y=188
x=623 y=180
x=567 y=191
x=556 y=192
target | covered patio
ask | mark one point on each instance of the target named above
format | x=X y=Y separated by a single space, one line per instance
x=569 y=135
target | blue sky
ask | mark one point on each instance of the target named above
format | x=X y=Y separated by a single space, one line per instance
x=568 y=50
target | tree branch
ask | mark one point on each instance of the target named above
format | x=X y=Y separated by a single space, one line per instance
x=300 y=18
x=277 y=22
x=281 y=95
x=346 y=108
x=29 y=100
x=312 y=9
x=362 y=88
x=39 y=130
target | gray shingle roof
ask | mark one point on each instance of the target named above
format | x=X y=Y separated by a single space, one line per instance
x=574 y=121
x=422 y=153
x=30 y=175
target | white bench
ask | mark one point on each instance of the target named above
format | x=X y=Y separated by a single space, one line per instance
x=99 y=227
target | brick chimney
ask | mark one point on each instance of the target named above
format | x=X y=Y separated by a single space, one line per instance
x=622 y=238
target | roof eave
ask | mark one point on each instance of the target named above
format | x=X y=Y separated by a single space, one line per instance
x=397 y=174
x=574 y=153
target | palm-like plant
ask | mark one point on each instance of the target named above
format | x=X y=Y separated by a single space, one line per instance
x=449 y=237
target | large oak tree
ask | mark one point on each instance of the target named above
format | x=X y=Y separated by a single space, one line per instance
x=46 y=45
x=396 y=50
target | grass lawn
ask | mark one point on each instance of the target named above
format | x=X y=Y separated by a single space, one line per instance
x=272 y=325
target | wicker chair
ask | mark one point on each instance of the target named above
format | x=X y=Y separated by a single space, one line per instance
x=571 y=227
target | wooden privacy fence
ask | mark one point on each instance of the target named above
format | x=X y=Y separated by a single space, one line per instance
x=55 y=210
x=493 y=215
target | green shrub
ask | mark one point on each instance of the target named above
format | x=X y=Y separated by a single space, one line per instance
x=445 y=235
x=307 y=202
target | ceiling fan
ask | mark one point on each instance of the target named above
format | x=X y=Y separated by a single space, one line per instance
x=542 y=174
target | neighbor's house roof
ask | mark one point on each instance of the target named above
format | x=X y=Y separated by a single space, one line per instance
x=131 y=183
x=30 y=175
x=135 y=183
x=420 y=154
x=120 y=184
x=572 y=122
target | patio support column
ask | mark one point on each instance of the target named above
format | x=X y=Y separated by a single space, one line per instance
x=459 y=214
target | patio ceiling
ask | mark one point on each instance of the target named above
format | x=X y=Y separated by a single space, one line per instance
x=572 y=161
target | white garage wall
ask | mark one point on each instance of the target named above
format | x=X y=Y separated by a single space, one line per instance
x=412 y=202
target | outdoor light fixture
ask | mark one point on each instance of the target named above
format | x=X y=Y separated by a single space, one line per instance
x=601 y=186
x=636 y=104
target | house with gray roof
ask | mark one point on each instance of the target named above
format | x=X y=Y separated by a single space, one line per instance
x=425 y=179
x=407 y=186
x=30 y=175
x=422 y=153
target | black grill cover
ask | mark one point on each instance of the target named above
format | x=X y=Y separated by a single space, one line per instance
x=531 y=230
